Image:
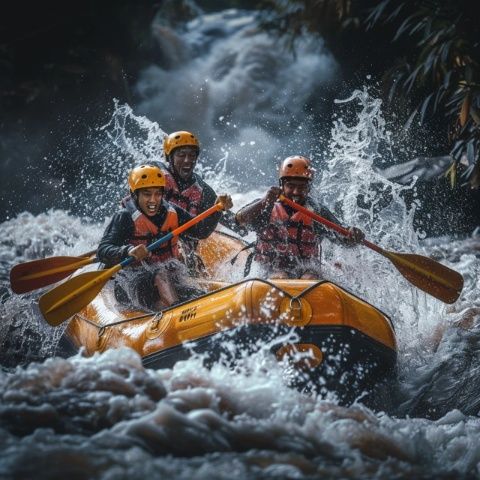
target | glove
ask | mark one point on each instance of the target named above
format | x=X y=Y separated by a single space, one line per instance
x=272 y=195
x=139 y=252
x=225 y=200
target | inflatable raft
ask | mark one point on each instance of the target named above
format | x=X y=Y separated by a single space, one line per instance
x=336 y=341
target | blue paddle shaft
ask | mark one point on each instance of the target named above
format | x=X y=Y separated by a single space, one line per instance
x=150 y=248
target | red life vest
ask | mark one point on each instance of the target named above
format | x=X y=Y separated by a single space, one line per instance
x=287 y=238
x=145 y=232
x=189 y=199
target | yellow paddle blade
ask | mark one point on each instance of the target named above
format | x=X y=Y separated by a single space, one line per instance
x=70 y=297
x=29 y=276
x=428 y=275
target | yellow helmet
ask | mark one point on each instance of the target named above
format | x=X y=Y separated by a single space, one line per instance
x=146 y=176
x=179 y=139
x=296 y=166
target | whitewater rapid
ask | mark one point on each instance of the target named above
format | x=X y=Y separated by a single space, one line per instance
x=108 y=417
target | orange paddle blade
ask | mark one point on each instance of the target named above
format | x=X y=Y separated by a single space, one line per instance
x=29 y=276
x=428 y=275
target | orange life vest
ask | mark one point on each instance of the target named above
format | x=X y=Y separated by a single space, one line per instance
x=287 y=238
x=189 y=199
x=146 y=232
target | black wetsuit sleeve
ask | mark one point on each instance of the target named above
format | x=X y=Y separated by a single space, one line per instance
x=229 y=220
x=226 y=218
x=258 y=216
x=208 y=200
x=113 y=247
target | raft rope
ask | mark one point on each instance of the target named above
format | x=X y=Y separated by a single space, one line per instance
x=102 y=328
x=159 y=315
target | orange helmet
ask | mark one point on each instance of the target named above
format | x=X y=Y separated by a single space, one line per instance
x=145 y=176
x=179 y=139
x=296 y=166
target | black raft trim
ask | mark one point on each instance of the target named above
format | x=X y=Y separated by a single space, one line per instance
x=250 y=334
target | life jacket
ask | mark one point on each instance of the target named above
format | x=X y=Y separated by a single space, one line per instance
x=146 y=232
x=189 y=199
x=287 y=238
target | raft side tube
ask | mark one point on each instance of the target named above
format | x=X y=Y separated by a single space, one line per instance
x=251 y=301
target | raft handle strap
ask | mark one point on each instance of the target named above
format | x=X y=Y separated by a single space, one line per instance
x=296 y=300
x=246 y=247
x=155 y=321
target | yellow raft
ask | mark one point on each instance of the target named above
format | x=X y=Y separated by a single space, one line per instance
x=336 y=340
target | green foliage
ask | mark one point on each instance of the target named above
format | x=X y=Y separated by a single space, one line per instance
x=438 y=68
x=442 y=64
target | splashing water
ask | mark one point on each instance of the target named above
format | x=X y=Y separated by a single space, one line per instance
x=354 y=189
x=227 y=67
x=133 y=140
x=109 y=417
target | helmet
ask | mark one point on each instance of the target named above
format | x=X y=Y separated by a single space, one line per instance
x=179 y=139
x=296 y=166
x=146 y=176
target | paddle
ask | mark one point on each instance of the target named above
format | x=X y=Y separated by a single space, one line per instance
x=68 y=298
x=426 y=274
x=29 y=276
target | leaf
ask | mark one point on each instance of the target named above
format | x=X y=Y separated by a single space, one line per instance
x=392 y=90
x=457 y=149
x=463 y=117
x=475 y=177
x=410 y=81
x=446 y=79
x=440 y=94
x=445 y=51
x=471 y=151
x=410 y=120
x=451 y=173
x=468 y=74
x=428 y=25
x=472 y=175
x=475 y=115
x=395 y=12
x=377 y=12
x=467 y=172
x=424 y=107
x=418 y=26
x=403 y=27
x=429 y=62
